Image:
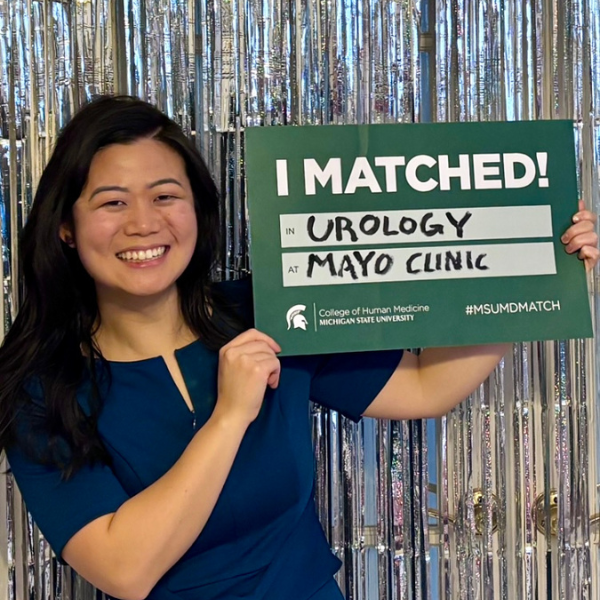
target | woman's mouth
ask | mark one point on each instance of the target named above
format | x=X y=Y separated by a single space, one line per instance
x=140 y=256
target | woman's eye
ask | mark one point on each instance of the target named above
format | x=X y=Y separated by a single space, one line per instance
x=113 y=203
x=164 y=197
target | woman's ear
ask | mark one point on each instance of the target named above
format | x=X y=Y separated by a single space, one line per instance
x=66 y=234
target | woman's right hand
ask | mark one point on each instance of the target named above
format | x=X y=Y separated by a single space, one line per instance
x=247 y=365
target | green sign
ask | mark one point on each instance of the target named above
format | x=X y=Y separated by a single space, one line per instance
x=399 y=236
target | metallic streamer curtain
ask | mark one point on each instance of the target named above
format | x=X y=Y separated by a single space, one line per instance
x=520 y=470
x=501 y=498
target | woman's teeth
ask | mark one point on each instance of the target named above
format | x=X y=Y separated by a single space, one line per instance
x=142 y=255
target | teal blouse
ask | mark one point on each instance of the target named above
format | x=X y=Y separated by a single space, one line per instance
x=263 y=539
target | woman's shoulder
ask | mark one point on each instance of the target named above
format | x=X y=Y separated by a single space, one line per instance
x=235 y=289
x=234 y=296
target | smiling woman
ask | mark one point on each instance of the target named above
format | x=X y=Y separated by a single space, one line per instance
x=134 y=224
x=160 y=444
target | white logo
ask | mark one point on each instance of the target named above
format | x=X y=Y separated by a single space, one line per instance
x=295 y=317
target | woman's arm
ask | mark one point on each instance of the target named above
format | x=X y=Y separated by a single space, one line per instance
x=433 y=383
x=127 y=552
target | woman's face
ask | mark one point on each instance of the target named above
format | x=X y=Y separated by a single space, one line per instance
x=134 y=225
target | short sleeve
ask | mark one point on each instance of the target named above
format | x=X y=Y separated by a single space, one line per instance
x=349 y=382
x=61 y=507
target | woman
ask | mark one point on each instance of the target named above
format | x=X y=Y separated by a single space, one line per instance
x=160 y=444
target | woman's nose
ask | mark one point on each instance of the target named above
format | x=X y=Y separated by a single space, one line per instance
x=143 y=218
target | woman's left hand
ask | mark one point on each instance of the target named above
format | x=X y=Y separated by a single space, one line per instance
x=582 y=238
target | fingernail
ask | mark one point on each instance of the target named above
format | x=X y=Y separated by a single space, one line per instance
x=575 y=219
x=564 y=239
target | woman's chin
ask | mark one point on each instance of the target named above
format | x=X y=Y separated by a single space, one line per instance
x=136 y=293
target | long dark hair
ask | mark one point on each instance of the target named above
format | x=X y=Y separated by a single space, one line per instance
x=50 y=347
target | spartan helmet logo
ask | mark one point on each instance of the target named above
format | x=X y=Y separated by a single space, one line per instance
x=295 y=317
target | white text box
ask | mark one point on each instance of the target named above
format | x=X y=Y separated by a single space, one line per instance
x=415 y=226
x=376 y=265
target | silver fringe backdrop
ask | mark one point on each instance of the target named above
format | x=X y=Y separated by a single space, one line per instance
x=500 y=499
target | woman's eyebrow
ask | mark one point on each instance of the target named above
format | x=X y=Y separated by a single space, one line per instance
x=118 y=188
x=108 y=188
x=167 y=180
